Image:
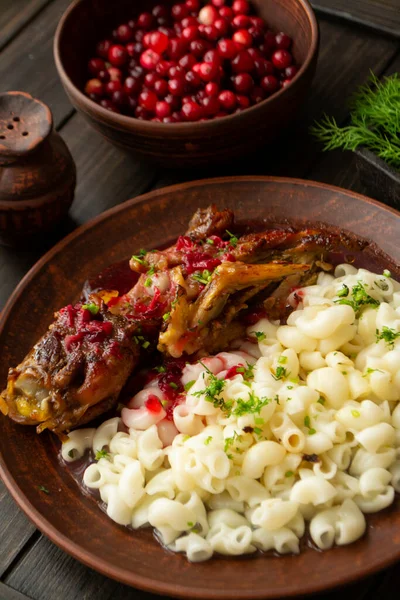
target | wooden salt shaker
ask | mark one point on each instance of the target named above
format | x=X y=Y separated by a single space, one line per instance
x=37 y=171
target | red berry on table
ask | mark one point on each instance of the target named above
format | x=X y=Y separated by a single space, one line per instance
x=94 y=86
x=269 y=83
x=163 y=109
x=282 y=41
x=221 y=26
x=241 y=22
x=242 y=38
x=212 y=56
x=117 y=55
x=227 y=100
x=149 y=59
x=187 y=61
x=282 y=59
x=210 y=105
x=158 y=42
x=176 y=86
x=190 y=33
x=226 y=13
x=212 y=89
x=241 y=7
x=96 y=65
x=148 y=100
x=177 y=48
x=193 y=79
x=208 y=71
x=161 y=88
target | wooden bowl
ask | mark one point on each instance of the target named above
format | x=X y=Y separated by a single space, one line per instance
x=182 y=144
x=73 y=520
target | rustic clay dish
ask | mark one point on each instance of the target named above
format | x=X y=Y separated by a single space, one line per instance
x=181 y=144
x=74 y=521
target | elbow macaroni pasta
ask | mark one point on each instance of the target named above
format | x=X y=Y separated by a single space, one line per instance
x=306 y=428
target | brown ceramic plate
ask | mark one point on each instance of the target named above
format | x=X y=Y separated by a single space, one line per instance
x=74 y=521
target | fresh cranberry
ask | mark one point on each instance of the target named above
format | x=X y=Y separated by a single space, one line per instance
x=226 y=13
x=137 y=72
x=257 y=34
x=103 y=47
x=241 y=22
x=179 y=11
x=193 y=5
x=119 y=98
x=257 y=94
x=211 y=33
x=176 y=86
x=208 y=71
x=138 y=35
x=124 y=34
x=108 y=105
x=269 y=83
x=178 y=29
x=96 y=65
x=173 y=101
x=210 y=105
x=193 y=80
x=142 y=114
x=241 y=7
x=117 y=55
x=227 y=49
x=150 y=79
x=132 y=103
x=176 y=48
x=115 y=74
x=148 y=100
x=162 y=68
x=221 y=26
x=145 y=20
x=285 y=83
x=131 y=50
x=149 y=59
x=290 y=72
x=192 y=111
x=132 y=86
x=113 y=86
x=282 y=59
x=95 y=87
x=243 y=83
x=212 y=89
x=161 y=88
x=199 y=47
x=163 y=109
x=263 y=67
x=104 y=76
x=242 y=38
x=190 y=33
x=146 y=39
x=212 y=56
x=227 y=100
x=270 y=41
x=160 y=10
x=242 y=101
x=187 y=61
x=189 y=22
x=257 y=22
x=282 y=41
x=208 y=14
x=243 y=63
x=176 y=72
x=218 y=3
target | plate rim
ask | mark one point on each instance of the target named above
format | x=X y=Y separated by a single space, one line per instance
x=86 y=556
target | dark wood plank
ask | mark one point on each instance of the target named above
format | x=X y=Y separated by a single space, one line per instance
x=15 y=15
x=27 y=62
x=380 y=14
x=15 y=530
x=7 y=593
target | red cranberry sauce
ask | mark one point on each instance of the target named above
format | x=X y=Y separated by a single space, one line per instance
x=191 y=61
x=86 y=324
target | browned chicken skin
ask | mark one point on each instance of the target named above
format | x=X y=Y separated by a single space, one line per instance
x=191 y=296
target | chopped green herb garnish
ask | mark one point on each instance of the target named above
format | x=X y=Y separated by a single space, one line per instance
x=307 y=423
x=146 y=344
x=246 y=372
x=92 y=308
x=369 y=371
x=386 y=273
x=166 y=316
x=138 y=257
x=321 y=400
x=147 y=282
x=173 y=385
x=280 y=373
x=259 y=421
x=387 y=334
x=160 y=369
x=289 y=387
x=356 y=413
x=208 y=440
x=71 y=454
x=252 y=405
x=359 y=298
x=213 y=390
x=185 y=438
x=190 y=524
x=43 y=489
x=233 y=240
x=204 y=277
x=102 y=454
x=282 y=360
x=189 y=384
x=236 y=438
x=260 y=335
x=289 y=474
x=257 y=430
x=210 y=241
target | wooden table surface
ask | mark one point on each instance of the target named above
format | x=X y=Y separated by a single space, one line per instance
x=356 y=36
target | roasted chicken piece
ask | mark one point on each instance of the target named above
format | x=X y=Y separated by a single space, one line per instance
x=191 y=297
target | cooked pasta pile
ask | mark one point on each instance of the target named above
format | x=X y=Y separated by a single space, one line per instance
x=300 y=424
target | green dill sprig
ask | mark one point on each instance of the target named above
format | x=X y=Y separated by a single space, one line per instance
x=374 y=124
x=357 y=298
x=387 y=334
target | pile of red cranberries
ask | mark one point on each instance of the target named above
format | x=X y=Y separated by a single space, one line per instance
x=190 y=62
